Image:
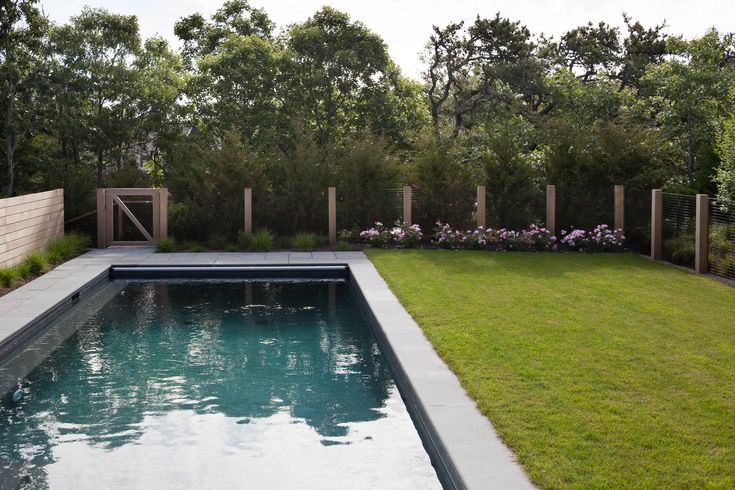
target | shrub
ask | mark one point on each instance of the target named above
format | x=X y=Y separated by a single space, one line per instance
x=679 y=251
x=166 y=245
x=400 y=235
x=9 y=277
x=366 y=168
x=446 y=237
x=600 y=239
x=539 y=238
x=36 y=264
x=245 y=240
x=217 y=242
x=66 y=247
x=306 y=241
x=190 y=246
x=342 y=245
x=262 y=240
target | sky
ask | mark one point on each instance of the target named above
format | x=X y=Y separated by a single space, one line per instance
x=405 y=25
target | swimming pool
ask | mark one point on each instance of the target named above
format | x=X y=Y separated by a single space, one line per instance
x=209 y=383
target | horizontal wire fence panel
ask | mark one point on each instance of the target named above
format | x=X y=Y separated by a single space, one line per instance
x=722 y=238
x=514 y=212
x=360 y=211
x=584 y=210
x=638 y=220
x=679 y=216
x=456 y=207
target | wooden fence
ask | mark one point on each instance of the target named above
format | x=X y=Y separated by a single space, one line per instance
x=28 y=223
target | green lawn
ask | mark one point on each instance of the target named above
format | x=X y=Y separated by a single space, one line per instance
x=599 y=371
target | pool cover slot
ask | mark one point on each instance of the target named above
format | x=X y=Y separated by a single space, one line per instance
x=320 y=271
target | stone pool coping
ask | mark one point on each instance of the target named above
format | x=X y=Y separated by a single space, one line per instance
x=461 y=441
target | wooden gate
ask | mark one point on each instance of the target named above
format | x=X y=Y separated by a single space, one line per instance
x=113 y=207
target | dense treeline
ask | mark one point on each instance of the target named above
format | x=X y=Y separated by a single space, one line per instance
x=290 y=111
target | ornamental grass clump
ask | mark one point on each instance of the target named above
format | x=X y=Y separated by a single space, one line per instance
x=400 y=235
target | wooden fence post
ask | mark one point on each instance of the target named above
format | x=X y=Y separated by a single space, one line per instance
x=480 y=213
x=551 y=208
x=619 y=207
x=101 y=215
x=407 y=205
x=701 y=235
x=332 y=215
x=163 y=222
x=657 y=223
x=248 y=209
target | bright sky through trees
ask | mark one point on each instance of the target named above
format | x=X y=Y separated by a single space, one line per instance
x=405 y=25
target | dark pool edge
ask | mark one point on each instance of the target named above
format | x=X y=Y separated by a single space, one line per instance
x=447 y=472
x=40 y=322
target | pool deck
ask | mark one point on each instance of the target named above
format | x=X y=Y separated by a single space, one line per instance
x=478 y=457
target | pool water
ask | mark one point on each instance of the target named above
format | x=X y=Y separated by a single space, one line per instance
x=231 y=384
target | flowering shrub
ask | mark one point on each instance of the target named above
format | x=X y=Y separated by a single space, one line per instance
x=539 y=238
x=534 y=238
x=399 y=235
x=446 y=237
x=601 y=239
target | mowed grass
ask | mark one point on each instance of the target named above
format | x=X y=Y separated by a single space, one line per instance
x=599 y=371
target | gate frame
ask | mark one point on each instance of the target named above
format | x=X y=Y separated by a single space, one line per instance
x=106 y=198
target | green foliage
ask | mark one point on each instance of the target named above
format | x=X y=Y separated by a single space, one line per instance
x=217 y=242
x=34 y=264
x=343 y=245
x=9 y=277
x=725 y=176
x=366 y=170
x=444 y=184
x=262 y=241
x=166 y=245
x=245 y=240
x=189 y=246
x=209 y=180
x=679 y=251
x=306 y=241
x=66 y=247
x=513 y=182
x=722 y=248
x=299 y=181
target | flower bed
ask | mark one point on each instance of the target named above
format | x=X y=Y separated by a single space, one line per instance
x=532 y=239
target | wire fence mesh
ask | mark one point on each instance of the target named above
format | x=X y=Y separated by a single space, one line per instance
x=722 y=238
x=679 y=216
x=358 y=211
x=584 y=210
x=638 y=220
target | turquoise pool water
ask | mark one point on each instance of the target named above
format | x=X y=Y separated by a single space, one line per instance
x=209 y=384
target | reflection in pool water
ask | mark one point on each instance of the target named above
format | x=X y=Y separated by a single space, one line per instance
x=214 y=383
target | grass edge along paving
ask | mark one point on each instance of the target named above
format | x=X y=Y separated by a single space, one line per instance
x=598 y=370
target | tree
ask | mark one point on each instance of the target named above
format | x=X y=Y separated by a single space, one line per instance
x=22 y=55
x=234 y=18
x=340 y=78
x=96 y=50
x=689 y=94
x=492 y=62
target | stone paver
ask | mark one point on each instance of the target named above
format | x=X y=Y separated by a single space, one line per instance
x=478 y=457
